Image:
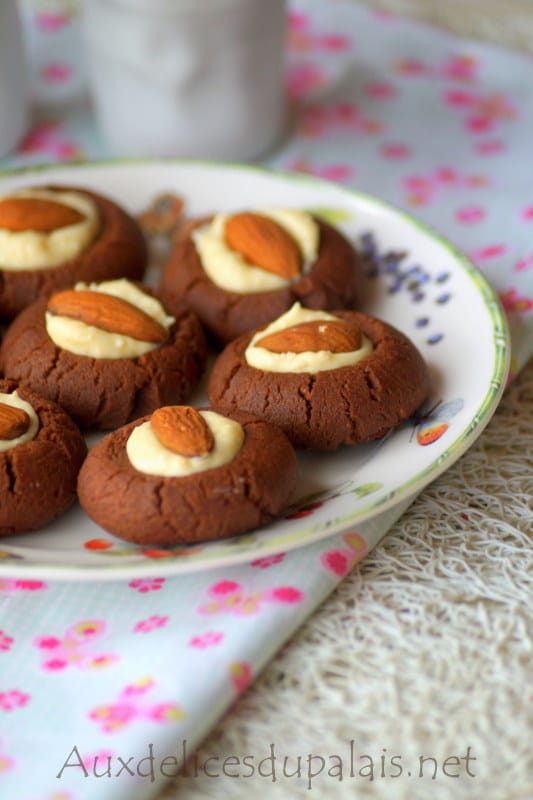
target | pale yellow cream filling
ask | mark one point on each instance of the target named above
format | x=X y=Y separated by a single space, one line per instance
x=87 y=340
x=17 y=402
x=229 y=270
x=263 y=359
x=33 y=250
x=148 y=455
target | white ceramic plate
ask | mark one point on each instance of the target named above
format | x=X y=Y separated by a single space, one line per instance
x=432 y=293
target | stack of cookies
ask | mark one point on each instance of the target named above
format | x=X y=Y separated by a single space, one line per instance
x=89 y=347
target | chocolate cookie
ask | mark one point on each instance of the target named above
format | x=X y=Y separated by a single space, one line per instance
x=303 y=259
x=41 y=452
x=107 y=353
x=53 y=236
x=379 y=381
x=250 y=488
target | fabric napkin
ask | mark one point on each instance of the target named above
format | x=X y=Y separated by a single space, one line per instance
x=106 y=687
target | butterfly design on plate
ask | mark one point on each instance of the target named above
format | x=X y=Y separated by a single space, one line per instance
x=433 y=423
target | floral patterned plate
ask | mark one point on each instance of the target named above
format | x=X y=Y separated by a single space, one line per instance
x=415 y=280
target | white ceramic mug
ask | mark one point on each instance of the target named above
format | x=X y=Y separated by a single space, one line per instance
x=13 y=78
x=194 y=78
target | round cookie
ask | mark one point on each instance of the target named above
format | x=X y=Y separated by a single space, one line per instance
x=329 y=274
x=250 y=489
x=319 y=399
x=53 y=236
x=41 y=452
x=76 y=349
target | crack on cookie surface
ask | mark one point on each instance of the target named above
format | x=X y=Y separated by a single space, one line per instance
x=11 y=475
x=373 y=384
x=305 y=391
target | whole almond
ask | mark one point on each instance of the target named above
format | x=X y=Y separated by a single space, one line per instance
x=264 y=243
x=108 y=313
x=34 y=214
x=335 y=336
x=14 y=422
x=183 y=430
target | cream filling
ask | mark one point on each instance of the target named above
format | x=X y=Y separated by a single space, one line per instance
x=229 y=270
x=22 y=250
x=88 y=340
x=17 y=402
x=147 y=454
x=261 y=358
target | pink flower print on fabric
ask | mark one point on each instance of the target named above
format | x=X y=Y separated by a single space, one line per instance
x=46 y=139
x=458 y=67
x=479 y=124
x=470 y=215
x=333 y=172
x=412 y=67
x=71 y=650
x=524 y=263
x=144 y=585
x=5 y=641
x=240 y=675
x=10 y=586
x=318 y=120
x=302 y=39
x=298 y=21
x=58 y=796
x=460 y=98
x=461 y=68
x=528 y=213
x=231 y=597
x=13 y=699
x=424 y=189
x=336 y=561
x=380 y=91
x=150 y=624
x=495 y=107
x=142 y=686
x=284 y=594
x=305 y=76
x=383 y=15
x=490 y=147
x=483 y=111
x=131 y=705
x=205 y=640
x=57 y=72
x=420 y=190
x=340 y=560
x=51 y=22
x=488 y=252
x=90 y=760
x=268 y=561
x=396 y=151
x=303 y=79
x=513 y=301
x=6 y=762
